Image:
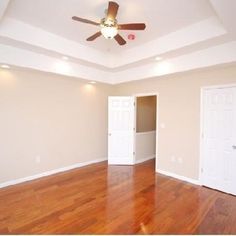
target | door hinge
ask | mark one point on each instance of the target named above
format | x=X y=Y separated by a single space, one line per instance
x=201 y=170
x=134 y=103
x=202 y=135
x=134 y=128
x=133 y=153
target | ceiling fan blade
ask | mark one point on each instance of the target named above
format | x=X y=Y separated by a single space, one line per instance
x=132 y=26
x=119 y=39
x=94 y=36
x=85 y=20
x=112 y=10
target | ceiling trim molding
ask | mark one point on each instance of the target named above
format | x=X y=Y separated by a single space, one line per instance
x=191 y=35
x=34 y=37
x=207 y=43
x=19 y=31
x=217 y=55
x=27 y=59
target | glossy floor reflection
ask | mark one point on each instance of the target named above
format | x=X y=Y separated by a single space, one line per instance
x=101 y=199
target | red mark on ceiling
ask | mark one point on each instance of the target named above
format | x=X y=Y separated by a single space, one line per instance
x=131 y=37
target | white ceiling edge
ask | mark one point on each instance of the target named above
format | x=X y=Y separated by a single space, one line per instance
x=193 y=34
x=38 y=38
x=180 y=51
x=25 y=46
x=226 y=12
x=217 y=55
x=3 y=7
x=41 y=50
x=17 y=30
x=27 y=59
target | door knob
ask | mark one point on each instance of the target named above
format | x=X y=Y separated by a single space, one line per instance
x=234 y=147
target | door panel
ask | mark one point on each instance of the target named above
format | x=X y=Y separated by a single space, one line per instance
x=219 y=126
x=121 y=123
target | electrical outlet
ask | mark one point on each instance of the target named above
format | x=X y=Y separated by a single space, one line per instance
x=38 y=159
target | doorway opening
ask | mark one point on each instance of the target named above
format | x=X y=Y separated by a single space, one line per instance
x=132 y=129
x=146 y=128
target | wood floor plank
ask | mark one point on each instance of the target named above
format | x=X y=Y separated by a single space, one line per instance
x=101 y=199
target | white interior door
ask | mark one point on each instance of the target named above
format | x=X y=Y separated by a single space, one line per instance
x=219 y=142
x=121 y=130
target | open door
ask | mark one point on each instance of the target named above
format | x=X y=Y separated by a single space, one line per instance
x=121 y=130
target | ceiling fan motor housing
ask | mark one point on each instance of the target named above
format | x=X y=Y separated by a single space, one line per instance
x=107 y=22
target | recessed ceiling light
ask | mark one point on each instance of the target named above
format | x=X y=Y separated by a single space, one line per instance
x=65 y=58
x=92 y=82
x=158 y=58
x=5 y=66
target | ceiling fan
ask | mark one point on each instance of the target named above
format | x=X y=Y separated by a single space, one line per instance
x=109 y=26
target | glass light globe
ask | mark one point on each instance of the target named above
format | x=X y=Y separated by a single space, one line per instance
x=109 y=32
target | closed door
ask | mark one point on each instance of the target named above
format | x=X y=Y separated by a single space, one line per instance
x=219 y=139
x=121 y=123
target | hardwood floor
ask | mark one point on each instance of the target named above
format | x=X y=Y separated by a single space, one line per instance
x=105 y=199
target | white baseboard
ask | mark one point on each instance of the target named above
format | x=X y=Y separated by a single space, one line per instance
x=180 y=177
x=50 y=172
x=145 y=159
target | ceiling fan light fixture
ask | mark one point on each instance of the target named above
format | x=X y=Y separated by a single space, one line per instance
x=109 y=32
x=109 y=28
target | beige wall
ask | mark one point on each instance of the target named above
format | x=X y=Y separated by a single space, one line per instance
x=179 y=111
x=146 y=114
x=145 y=146
x=63 y=120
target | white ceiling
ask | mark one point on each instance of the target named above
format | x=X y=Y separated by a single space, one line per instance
x=43 y=30
x=160 y=16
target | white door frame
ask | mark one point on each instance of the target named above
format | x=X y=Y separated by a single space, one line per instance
x=157 y=120
x=203 y=89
